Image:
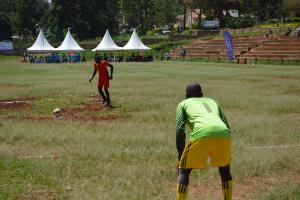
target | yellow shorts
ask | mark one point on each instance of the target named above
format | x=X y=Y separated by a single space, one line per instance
x=198 y=154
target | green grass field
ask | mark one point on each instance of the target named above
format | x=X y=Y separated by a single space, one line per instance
x=129 y=152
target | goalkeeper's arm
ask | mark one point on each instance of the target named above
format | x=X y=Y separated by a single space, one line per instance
x=180 y=131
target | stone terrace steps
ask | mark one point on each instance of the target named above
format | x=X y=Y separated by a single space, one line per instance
x=216 y=48
x=271 y=56
x=279 y=48
x=273 y=50
x=294 y=45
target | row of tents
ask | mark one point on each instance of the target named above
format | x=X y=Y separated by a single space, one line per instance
x=69 y=44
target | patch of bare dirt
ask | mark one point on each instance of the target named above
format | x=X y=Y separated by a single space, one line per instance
x=38 y=194
x=16 y=103
x=292 y=117
x=88 y=112
x=241 y=190
x=84 y=112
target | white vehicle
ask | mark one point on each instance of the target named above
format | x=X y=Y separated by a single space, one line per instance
x=165 y=31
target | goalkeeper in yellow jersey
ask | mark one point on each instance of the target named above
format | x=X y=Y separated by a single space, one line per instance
x=209 y=142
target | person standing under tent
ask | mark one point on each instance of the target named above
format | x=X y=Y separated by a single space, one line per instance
x=100 y=66
x=210 y=139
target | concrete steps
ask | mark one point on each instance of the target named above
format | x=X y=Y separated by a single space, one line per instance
x=273 y=50
x=246 y=49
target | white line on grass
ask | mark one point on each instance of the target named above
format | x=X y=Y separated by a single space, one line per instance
x=274 y=147
x=12 y=102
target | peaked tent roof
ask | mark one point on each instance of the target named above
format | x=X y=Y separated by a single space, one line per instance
x=107 y=44
x=135 y=44
x=69 y=44
x=41 y=44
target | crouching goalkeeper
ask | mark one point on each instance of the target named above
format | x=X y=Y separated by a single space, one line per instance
x=209 y=140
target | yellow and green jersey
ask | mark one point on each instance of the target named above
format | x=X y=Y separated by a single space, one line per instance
x=204 y=117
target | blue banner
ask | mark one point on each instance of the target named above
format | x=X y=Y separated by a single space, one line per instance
x=229 y=46
x=6 y=46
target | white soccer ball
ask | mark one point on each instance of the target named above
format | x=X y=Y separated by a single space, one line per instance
x=56 y=111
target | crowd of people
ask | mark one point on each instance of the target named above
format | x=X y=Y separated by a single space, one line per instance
x=289 y=33
x=55 y=58
x=123 y=58
x=75 y=57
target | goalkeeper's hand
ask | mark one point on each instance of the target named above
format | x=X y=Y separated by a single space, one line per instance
x=177 y=169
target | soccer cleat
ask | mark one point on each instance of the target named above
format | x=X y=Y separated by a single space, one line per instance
x=103 y=101
x=108 y=104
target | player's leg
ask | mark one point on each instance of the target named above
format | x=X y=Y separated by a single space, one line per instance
x=183 y=184
x=226 y=182
x=106 y=86
x=108 y=103
x=220 y=157
x=104 y=98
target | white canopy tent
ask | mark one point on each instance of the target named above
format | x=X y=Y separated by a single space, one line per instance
x=69 y=44
x=135 y=44
x=107 y=44
x=41 y=44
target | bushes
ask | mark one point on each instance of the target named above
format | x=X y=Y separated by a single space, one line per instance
x=293 y=20
x=195 y=25
x=273 y=21
x=240 y=22
x=288 y=20
x=156 y=30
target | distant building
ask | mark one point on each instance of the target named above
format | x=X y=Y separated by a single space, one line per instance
x=192 y=17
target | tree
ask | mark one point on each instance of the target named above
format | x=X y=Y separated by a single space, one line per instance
x=145 y=14
x=25 y=15
x=202 y=5
x=5 y=27
x=184 y=9
x=6 y=6
x=87 y=19
x=248 y=6
x=164 y=12
x=5 y=23
x=213 y=8
x=269 y=9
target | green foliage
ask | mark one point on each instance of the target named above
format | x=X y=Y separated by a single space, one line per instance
x=269 y=9
x=240 y=22
x=6 y=6
x=26 y=15
x=248 y=6
x=147 y=14
x=156 y=30
x=92 y=17
x=280 y=25
x=293 y=20
x=273 y=21
x=5 y=27
x=167 y=46
x=195 y=25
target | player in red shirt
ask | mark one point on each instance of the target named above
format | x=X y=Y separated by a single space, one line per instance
x=100 y=66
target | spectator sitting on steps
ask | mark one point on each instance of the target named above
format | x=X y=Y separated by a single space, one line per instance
x=270 y=34
x=298 y=32
x=183 y=53
x=168 y=56
x=287 y=34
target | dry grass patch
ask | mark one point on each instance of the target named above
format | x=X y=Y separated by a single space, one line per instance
x=29 y=152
